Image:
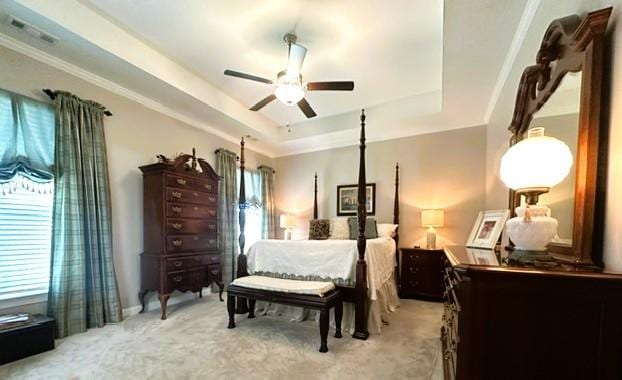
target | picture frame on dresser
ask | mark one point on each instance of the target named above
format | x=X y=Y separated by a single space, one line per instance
x=487 y=229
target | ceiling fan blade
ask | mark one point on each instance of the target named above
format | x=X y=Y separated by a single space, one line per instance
x=247 y=76
x=330 y=86
x=263 y=102
x=306 y=108
x=296 y=57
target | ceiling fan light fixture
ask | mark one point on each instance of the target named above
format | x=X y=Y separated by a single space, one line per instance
x=289 y=94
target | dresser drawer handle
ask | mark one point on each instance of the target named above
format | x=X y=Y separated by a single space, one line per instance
x=212 y=242
x=181 y=181
x=177 y=278
x=211 y=199
x=212 y=212
x=208 y=186
x=176 y=209
x=196 y=208
x=414 y=270
x=195 y=194
x=178 y=264
x=176 y=194
x=211 y=226
x=196 y=238
x=176 y=226
x=178 y=243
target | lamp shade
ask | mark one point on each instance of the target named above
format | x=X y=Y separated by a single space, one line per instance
x=537 y=161
x=287 y=221
x=432 y=218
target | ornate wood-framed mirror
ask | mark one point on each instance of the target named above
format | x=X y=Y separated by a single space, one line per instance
x=562 y=92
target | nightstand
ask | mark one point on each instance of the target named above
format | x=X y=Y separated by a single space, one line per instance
x=421 y=273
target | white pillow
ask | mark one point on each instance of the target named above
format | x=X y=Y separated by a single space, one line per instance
x=386 y=230
x=339 y=229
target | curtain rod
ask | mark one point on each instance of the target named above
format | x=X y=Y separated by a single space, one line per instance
x=52 y=95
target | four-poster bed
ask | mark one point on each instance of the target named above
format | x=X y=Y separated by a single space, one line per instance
x=380 y=253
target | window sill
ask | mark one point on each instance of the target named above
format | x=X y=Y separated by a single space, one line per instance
x=22 y=301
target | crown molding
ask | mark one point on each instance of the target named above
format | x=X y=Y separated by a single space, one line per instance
x=517 y=42
x=48 y=59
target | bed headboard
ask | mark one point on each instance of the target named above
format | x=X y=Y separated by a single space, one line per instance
x=396 y=202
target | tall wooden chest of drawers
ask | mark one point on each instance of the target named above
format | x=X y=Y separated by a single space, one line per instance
x=180 y=232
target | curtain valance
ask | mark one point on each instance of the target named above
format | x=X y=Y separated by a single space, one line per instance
x=26 y=142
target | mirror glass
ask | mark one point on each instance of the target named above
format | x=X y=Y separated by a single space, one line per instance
x=560 y=118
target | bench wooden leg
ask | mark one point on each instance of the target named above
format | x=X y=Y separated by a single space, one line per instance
x=324 y=313
x=231 y=311
x=338 y=318
x=251 y=308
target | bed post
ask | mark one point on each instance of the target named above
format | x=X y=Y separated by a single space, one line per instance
x=360 y=312
x=315 y=198
x=396 y=220
x=241 y=305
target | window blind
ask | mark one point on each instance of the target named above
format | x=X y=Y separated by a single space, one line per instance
x=25 y=242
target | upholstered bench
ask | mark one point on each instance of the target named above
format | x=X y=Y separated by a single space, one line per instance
x=316 y=295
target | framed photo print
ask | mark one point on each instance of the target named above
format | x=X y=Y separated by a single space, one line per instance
x=487 y=228
x=347 y=199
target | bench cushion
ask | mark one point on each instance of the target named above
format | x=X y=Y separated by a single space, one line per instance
x=316 y=288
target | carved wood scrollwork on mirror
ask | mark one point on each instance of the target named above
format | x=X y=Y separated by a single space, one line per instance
x=570 y=45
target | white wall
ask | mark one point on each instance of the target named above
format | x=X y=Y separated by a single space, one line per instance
x=497 y=135
x=439 y=170
x=134 y=135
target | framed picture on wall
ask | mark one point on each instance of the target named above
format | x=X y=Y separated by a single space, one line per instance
x=347 y=196
x=487 y=228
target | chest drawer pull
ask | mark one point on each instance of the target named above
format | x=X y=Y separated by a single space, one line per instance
x=181 y=181
x=196 y=208
x=211 y=226
x=414 y=269
x=178 y=243
x=177 y=278
x=176 y=226
x=195 y=194
x=208 y=186
x=196 y=238
x=178 y=264
x=212 y=212
x=176 y=194
x=211 y=199
x=212 y=242
x=176 y=209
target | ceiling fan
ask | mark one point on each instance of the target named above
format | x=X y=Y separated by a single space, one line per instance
x=290 y=89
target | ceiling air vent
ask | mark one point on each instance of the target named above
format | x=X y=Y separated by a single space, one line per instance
x=32 y=30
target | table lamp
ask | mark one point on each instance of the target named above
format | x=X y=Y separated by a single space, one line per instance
x=531 y=167
x=431 y=219
x=288 y=222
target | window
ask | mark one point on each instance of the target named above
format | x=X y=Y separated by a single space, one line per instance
x=26 y=196
x=254 y=212
x=25 y=239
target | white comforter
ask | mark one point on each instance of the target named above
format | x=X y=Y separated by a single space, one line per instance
x=333 y=260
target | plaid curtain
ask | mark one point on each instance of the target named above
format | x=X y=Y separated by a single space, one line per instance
x=268 y=230
x=83 y=286
x=227 y=212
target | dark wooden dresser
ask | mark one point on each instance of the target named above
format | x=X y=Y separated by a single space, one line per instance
x=421 y=273
x=180 y=230
x=505 y=321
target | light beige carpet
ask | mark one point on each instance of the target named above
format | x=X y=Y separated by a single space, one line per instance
x=194 y=343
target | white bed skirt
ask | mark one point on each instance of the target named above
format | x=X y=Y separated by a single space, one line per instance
x=386 y=302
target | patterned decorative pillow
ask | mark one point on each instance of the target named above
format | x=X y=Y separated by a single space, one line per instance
x=371 y=232
x=339 y=229
x=319 y=229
